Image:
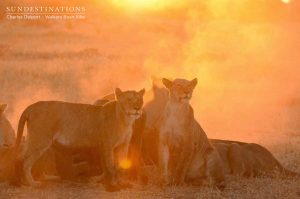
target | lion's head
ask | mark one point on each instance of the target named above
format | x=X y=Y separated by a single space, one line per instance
x=180 y=90
x=6 y=131
x=131 y=102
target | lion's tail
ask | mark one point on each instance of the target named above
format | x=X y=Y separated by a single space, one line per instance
x=16 y=179
x=21 y=125
x=18 y=162
x=289 y=173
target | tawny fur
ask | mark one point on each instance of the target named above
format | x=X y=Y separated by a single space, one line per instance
x=7 y=140
x=79 y=126
x=7 y=133
x=248 y=159
x=180 y=134
x=237 y=158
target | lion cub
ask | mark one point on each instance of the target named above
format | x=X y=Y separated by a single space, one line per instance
x=80 y=126
x=184 y=149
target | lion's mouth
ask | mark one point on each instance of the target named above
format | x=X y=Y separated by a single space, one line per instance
x=185 y=98
x=134 y=114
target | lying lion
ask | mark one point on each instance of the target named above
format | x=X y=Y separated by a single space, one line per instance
x=248 y=159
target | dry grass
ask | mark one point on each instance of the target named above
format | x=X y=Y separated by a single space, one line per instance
x=236 y=188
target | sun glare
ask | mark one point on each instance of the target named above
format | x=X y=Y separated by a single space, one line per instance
x=286 y=1
x=125 y=164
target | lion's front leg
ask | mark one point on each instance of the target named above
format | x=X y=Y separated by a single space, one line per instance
x=164 y=154
x=186 y=153
x=109 y=169
x=122 y=157
x=123 y=164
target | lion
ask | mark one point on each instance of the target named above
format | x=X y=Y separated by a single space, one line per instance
x=8 y=151
x=7 y=133
x=248 y=159
x=107 y=128
x=7 y=140
x=105 y=99
x=87 y=159
x=183 y=148
x=135 y=146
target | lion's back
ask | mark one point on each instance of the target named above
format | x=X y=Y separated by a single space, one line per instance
x=52 y=111
x=246 y=159
x=70 y=123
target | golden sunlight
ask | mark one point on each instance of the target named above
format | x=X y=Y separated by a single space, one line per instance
x=286 y=1
x=125 y=164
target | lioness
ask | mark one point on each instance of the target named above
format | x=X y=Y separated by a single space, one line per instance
x=135 y=146
x=7 y=133
x=7 y=140
x=8 y=151
x=180 y=135
x=106 y=128
x=248 y=159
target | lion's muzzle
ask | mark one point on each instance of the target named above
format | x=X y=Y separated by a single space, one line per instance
x=134 y=113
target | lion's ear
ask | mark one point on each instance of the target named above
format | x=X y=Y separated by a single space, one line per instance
x=167 y=83
x=2 y=108
x=142 y=92
x=194 y=82
x=118 y=93
x=156 y=82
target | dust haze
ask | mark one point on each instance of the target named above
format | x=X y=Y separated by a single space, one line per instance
x=245 y=56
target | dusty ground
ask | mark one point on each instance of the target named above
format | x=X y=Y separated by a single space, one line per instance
x=262 y=187
x=82 y=61
x=237 y=188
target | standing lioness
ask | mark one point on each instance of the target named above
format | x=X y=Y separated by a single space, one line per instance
x=80 y=126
